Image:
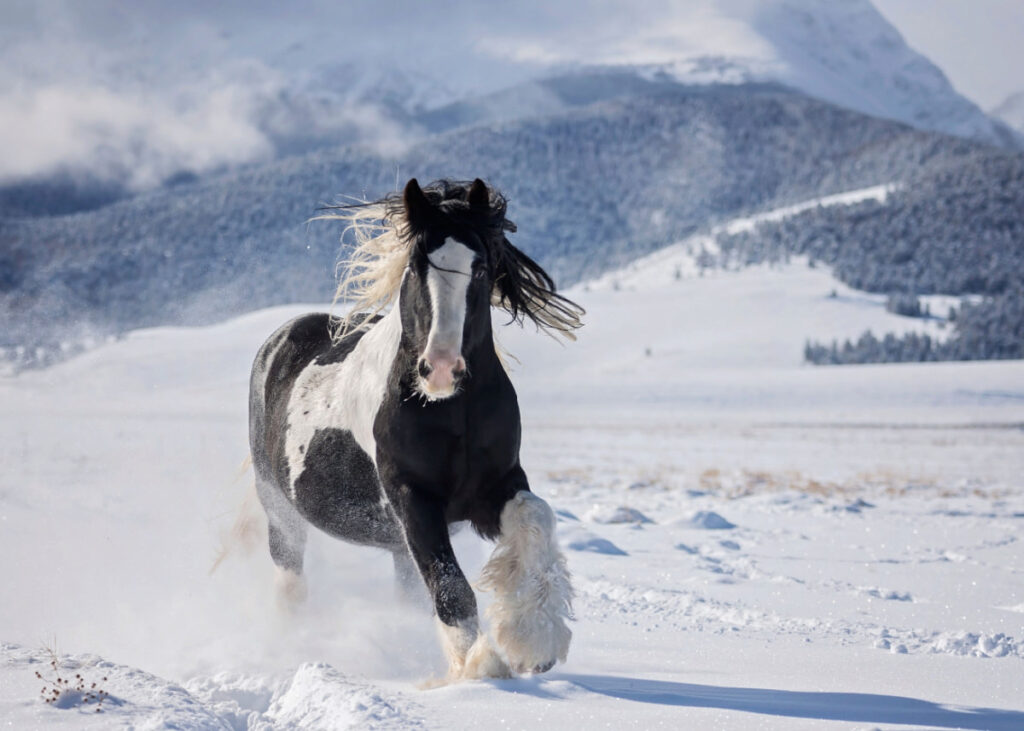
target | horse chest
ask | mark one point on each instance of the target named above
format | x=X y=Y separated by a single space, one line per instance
x=448 y=448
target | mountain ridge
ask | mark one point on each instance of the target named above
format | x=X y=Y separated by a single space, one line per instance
x=128 y=108
x=591 y=188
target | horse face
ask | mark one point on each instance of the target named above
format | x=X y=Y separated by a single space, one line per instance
x=445 y=302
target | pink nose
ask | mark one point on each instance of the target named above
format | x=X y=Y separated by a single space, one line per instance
x=440 y=370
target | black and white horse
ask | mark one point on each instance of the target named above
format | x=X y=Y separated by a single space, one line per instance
x=386 y=427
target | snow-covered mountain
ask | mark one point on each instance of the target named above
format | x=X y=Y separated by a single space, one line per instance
x=846 y=52
x=137 y=95
x=592 y=188
x=615 y=132
x=842 y=51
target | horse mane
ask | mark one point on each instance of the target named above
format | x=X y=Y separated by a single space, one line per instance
x=371 y=275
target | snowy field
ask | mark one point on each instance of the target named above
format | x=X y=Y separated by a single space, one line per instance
x=756 y=543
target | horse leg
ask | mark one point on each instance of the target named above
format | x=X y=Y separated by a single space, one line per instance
x=408 y=584
x=529 y=578
x=286 y=532
x=469 y=652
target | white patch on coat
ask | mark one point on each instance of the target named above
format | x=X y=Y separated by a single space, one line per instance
x=456 y=640
x=344 y=395
x=533 y=594
x=448 y=281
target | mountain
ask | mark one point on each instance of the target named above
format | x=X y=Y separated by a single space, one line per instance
x=125 y=99
x=1011 y=111
x=651 y=130
x=846 y=52
x=591 y=188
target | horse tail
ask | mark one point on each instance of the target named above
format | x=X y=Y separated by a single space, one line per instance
x=249 y=530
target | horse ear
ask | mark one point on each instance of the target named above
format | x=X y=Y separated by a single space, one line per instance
x=417 y=208
x=479 y=198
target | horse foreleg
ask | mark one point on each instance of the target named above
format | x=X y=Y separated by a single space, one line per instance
x=533 y=594
x=469 y=652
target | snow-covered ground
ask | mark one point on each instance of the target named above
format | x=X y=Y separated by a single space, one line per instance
x=756 y=543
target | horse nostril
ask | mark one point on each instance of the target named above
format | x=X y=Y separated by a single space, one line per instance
x=423 y=368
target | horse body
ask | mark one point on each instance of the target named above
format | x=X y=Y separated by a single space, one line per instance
x=408 y=423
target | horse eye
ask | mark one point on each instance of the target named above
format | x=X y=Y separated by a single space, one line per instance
x=479 y=273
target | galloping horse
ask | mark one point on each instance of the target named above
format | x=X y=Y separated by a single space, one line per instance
x=384 y=427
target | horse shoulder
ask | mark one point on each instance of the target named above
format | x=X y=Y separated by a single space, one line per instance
x=342 y=389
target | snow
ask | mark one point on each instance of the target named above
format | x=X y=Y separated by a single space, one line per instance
x=755 y=543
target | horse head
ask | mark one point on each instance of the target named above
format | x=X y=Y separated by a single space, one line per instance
x=442 y=253
x=446 y=291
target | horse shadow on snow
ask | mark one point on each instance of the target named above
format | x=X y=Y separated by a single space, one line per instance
x=826 y=706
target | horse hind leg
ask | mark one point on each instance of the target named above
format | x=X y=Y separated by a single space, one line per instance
x=409 y=586
x=286 y=533
x=287 y=546
x=533 y=594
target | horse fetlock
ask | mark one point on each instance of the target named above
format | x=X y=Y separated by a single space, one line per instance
x=457 y=639
x=533 y=643
x=483 y=661
x=533 y=594
x=290 y=589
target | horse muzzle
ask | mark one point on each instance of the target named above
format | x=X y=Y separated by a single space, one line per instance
x=440 y=374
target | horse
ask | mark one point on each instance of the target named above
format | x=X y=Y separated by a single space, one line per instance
x=388 y=425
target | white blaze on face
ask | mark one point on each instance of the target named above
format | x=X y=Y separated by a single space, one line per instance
x=448 y=280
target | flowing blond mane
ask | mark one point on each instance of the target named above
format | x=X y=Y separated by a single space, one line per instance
x=370 y=277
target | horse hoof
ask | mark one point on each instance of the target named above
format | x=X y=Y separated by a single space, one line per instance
x=536 y=669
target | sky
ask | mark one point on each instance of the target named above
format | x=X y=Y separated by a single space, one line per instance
x=978 y=43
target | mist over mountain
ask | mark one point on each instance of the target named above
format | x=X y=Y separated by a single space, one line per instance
x=179 y=190
x=138 y=96
x=591 y=188
x=1011 y=111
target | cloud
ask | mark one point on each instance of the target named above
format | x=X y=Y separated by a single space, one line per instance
x=136 y=94
x=136 y=138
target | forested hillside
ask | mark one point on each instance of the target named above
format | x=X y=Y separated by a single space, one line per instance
x=954 y=229
x=591 y=188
